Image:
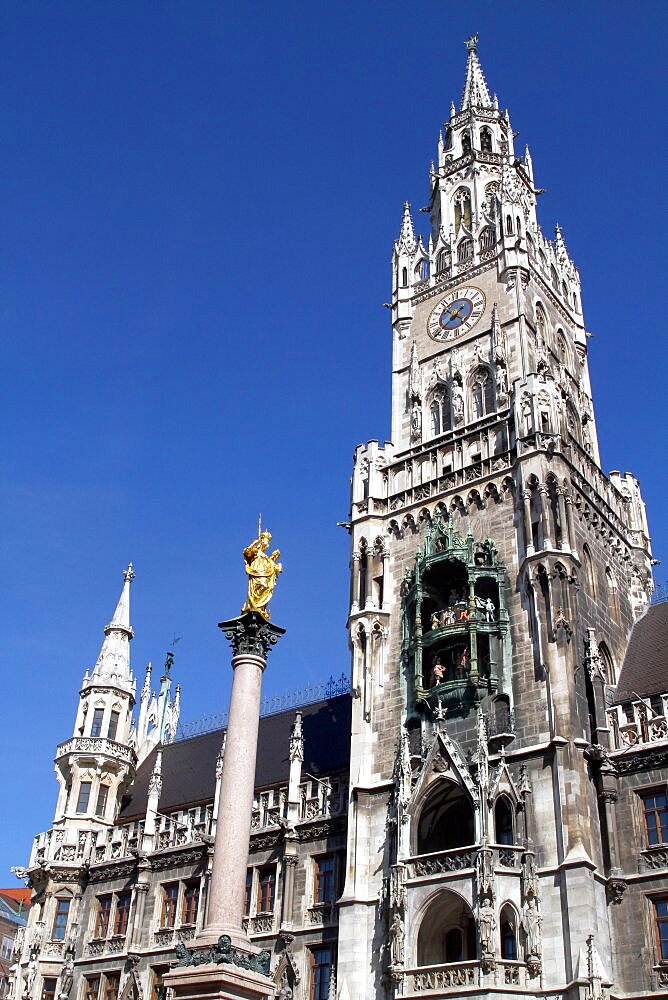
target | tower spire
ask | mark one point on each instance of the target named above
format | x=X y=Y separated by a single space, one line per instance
x=476 y=94
x=407 y=234
x=113 y=662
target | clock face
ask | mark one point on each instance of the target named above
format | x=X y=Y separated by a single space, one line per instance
x=456 y=314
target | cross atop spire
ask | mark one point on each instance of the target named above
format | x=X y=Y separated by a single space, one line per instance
x=476 y=94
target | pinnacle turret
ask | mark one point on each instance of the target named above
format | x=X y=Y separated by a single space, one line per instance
x=407 y=234
x=476 y=94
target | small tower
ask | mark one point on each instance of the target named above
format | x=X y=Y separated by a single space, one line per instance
x=95 y=766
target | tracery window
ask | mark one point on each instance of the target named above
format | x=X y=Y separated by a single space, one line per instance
x=541 y=322
x=441 y=413
x=487 y=238
x=465 y=251
x=482 y=393
x=443 y=261
x=422 y=269
x=589 y=569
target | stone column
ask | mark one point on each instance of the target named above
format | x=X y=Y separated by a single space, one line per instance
x=223 y=964
x=526 y=513
x=546 y=541
x=251 y=638
x=561 y=501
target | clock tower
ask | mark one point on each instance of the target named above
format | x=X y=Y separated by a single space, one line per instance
x=496 y=572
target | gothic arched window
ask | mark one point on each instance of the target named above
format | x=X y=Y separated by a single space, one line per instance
x=422 y=269
x=503 y=821
x=518 y=223
x=482 y=393
x=541 y=322
x=589 y=569
x=462 y=203
x=531 y=246
x=509 y=225
x=487 y=238
x=554 y=278
x=466 y=143
x=441 y=413
x=508 y=927
x=564 y=291
x=485 y=139
x=404 y=277
x=465 y=251
x=443 y=261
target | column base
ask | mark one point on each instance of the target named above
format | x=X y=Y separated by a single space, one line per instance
x=218 y=982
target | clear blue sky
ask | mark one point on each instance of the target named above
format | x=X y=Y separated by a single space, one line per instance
x=198 y=212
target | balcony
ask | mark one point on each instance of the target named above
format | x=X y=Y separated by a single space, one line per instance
x=461 y=859
x=439 y=978
x=97 y=746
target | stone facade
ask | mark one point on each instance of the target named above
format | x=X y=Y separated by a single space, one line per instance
x=497 y=825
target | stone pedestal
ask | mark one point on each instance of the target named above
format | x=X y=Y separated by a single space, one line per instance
x=222 y=964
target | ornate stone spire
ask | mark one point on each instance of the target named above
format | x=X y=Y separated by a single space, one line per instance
x=407 y=238
x=113 y=662
x=476 y=94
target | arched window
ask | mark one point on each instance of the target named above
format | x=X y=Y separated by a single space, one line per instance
x=487 y=238
x=531 y=246
x=588 y=564
x=466 y=143
x=508 y=928
x=607 y=663
x=465 y=250
x=564 y=291
x=503 y=821
x=462 y=203
x=519 y=225
x=446 y=820
x=509 y=225
x=575 y=302
x=404 y=277
x=447 y=931
x=541 y=322
x=482 y=393
x=542 y=258
x=443 y=261
x=562 y=350
x=422 y=269
x=554 y=278
x=485 y=139
x=441 y=413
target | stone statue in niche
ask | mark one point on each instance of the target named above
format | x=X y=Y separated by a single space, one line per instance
x=416 y=421
x=486 y=926
x=531 y=921
x=397 y=940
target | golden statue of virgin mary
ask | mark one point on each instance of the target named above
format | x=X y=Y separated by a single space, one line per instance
x=262 y=570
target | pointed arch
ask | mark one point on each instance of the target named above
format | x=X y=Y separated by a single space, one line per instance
x=509 y=932
x=465 y=250
x=487 y=238
x=446 y=932
x=486 y=144
x=462 y=208
x=504 y=820
x=482 y=392
x=445 y=820
x=466 y=143
x=440 y=410
x=588 y=565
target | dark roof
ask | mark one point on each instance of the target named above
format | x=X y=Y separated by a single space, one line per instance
x=645 y=668
x=189 y=766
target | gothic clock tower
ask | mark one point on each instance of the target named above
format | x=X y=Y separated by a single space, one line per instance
x=496 y=573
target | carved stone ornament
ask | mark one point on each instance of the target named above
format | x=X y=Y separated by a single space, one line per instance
x=224 y=952
x=616 y=888
x=251 y=634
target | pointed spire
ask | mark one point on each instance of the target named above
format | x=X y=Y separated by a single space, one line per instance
x=559 y=245
x=113 y=662
x=476 y=94
x=407 y=235
x=528 y=163
x=146 y=687
x=453 y=109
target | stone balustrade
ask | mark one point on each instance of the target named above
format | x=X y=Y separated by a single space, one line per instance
x=97 y=746
x=441 y=978
x=461 y=859
x=637 y=723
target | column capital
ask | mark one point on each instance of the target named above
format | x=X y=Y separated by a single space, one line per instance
x=251 y=634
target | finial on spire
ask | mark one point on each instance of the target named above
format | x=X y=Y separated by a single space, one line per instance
x=476 y=94
x=129 y=573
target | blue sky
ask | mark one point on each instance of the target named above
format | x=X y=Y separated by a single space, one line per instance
x=198 y=211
